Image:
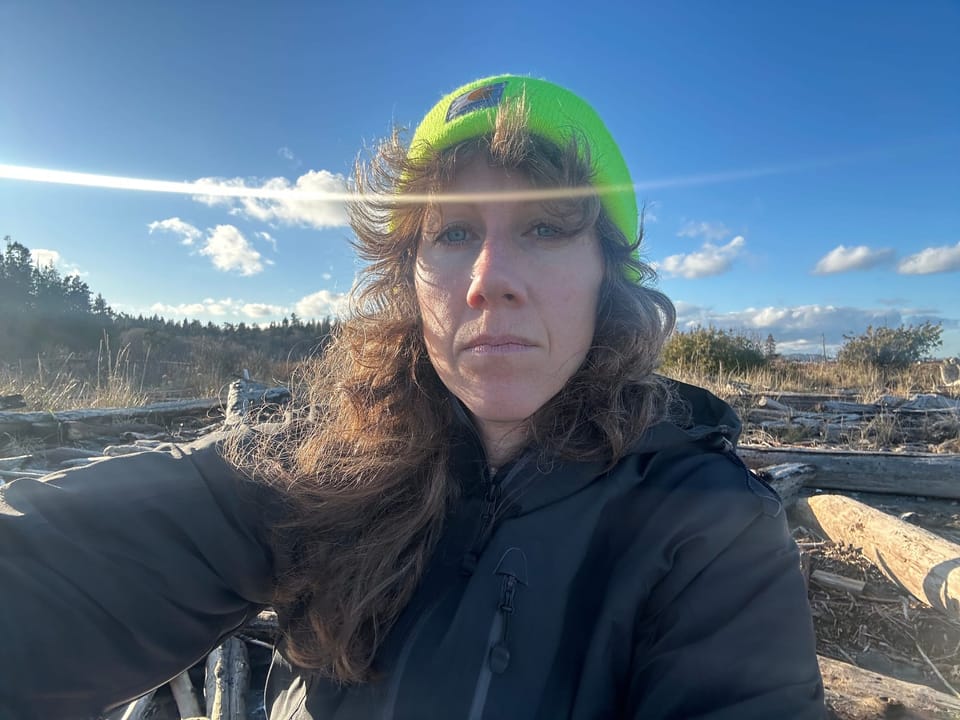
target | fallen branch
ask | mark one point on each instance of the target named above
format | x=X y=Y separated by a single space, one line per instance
x=837 y=582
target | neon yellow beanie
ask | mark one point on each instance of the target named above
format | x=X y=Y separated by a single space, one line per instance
x=554 y=113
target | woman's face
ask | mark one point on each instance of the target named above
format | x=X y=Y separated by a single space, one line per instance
x=508 y=298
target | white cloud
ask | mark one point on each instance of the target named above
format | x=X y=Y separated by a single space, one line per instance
x=802 y=326
x=182 y=310
x=45 y=258
x=230 y=250
x=222 y=308
x=844 y=259
x=932 y=260
x=322 y=304
x=709 y=231
x=262 y=310
x=709 y=260
x=306 y=210
x=187 y=232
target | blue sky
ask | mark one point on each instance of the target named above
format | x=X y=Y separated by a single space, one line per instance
x=799 y=160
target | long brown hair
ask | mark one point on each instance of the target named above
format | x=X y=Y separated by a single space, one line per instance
x=363 y=465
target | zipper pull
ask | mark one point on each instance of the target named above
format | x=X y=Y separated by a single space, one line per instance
x=513 y=569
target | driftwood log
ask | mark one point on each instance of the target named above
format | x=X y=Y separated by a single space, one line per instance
x=10 y=402
x=77 y=430
x=246 y=396
x=898 y=473
x=853 y=693
x=787 y=479
x=52 y=422
x=924 y=564
x=228 y=679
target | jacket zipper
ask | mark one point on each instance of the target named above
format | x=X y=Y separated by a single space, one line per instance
x=512 y=568
x=488 y=516
x=469 y=562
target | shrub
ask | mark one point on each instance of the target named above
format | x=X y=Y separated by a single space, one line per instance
x=890 y=348
x=710 y=350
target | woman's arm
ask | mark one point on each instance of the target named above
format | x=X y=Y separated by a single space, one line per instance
x=116 y=576
x=728 y=635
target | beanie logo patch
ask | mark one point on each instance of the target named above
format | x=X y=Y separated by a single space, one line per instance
x=477 y=99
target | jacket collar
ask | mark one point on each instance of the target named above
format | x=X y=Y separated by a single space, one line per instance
x=528 y=483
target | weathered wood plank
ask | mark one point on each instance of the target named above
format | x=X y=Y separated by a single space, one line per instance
x=898 y=473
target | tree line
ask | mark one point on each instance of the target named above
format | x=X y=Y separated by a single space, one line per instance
x=44 y=313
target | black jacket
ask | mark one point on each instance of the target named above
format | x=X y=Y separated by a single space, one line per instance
x=668 y=587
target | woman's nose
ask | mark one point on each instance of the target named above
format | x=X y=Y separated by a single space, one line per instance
x=497 y=274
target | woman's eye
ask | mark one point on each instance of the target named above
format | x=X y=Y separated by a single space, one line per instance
x=453 y=236
x=545 y=230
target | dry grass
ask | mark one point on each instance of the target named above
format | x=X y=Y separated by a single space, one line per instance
x=862 y=384
x=114 y=379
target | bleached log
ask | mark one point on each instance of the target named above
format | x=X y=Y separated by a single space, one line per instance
x=770 y=404
x=185 y=696
x=787 y=479
x=901 y=473
x=921 y=562
x=245 y=395
x=853 y=693
x=227 y=681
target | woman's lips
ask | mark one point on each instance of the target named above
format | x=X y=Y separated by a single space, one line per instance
x=498 y=345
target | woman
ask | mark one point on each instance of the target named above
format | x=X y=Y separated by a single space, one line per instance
x=488 y=505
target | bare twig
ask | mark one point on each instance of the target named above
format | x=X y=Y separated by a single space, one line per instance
x=934 y=668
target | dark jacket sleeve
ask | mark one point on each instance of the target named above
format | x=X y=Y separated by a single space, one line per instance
x=116 y=576
x=727 y=634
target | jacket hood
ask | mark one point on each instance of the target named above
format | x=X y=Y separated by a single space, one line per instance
x=697 y=415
